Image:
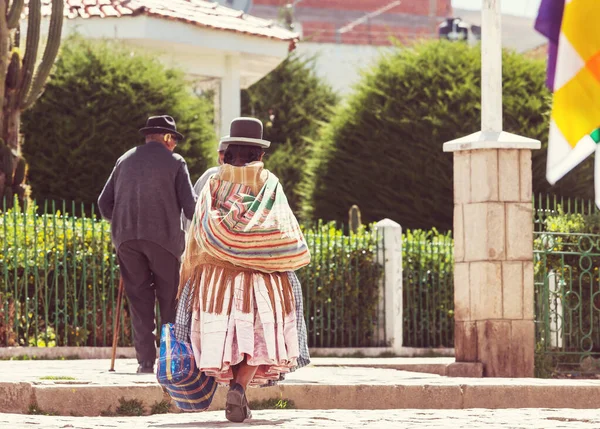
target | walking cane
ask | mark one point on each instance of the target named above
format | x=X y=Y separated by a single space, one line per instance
x=116 y=324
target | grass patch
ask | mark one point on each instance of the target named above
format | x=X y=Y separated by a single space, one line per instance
x=35 y=410
x=161 y=407
x=57 y=377
x=31 y=357
x=108 y=413
x=131 y=407
x=272 y=404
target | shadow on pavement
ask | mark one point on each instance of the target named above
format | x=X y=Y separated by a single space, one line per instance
x=223 y=424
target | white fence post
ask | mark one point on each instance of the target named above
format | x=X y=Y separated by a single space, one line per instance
x=556 y=314
x=392 y=249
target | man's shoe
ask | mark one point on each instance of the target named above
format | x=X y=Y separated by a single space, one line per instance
x=146 y=368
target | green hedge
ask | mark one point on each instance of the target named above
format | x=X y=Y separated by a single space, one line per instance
x=341 y=287
x=428 y=289
x=58 y=277
x=569 y=247
x=292 y=102
x=382 y=148
x=99 y=94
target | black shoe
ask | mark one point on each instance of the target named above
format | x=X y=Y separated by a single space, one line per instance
x=146 y=368
x=237 y=409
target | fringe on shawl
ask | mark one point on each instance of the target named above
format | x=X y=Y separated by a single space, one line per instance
x=219 y=277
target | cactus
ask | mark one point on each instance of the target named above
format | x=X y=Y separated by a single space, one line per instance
x=23 y=83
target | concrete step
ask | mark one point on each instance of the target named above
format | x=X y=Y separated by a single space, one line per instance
x=91 y=390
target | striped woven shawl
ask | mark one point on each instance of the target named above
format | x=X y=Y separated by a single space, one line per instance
x=243 y=218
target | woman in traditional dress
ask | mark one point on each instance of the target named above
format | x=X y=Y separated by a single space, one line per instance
x=244 y=239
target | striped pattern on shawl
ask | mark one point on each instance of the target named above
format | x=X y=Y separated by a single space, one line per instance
x=244 y=226
x=248 y=225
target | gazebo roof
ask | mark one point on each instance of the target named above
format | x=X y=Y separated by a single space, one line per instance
x=196 y=12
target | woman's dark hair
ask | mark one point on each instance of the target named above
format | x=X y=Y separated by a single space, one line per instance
x=239 y=155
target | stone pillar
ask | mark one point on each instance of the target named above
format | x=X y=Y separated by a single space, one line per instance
x=392 y=289
x=493 y=236
x=493 y=230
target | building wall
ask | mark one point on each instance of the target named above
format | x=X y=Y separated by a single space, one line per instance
x=340 y=65
x=319 y=19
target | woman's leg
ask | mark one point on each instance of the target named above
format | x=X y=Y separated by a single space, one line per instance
x=244 y=373
x=237 y=409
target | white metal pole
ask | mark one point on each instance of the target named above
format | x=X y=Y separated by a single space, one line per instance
x=491 y=66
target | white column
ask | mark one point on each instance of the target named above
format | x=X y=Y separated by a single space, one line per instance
x=392 y=242
x=491 y=67
x=230 y=94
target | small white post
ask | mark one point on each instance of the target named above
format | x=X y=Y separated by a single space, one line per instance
x=231 y=104
x=556 y=313
x=491 y=67
x=392 y=249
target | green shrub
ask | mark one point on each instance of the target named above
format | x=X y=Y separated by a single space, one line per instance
x=428 y=289
x=58 y=281
x=59 y=277
x=341 y=287
x=98 y=96
x=292 y=102
x=567 y=272
x=383 y=151
x=66 y=278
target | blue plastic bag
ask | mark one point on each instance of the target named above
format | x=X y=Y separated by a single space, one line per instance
x=190 y=389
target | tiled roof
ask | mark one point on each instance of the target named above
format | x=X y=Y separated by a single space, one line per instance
x=197 y=12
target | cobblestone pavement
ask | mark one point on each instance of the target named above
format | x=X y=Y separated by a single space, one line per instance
x=347 y=419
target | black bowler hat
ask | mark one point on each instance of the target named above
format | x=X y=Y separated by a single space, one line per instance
x=246 y=131
x=161 y=125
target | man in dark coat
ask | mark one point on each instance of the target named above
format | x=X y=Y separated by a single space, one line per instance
x=143 y=199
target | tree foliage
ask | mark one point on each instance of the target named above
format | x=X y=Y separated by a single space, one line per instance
x=383 y=148
x=292 y=102
x=98 y=96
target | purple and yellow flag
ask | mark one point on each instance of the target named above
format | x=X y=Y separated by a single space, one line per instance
x=574 y=76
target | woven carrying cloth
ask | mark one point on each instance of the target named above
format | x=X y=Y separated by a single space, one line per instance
x=243 y=217
x=190 y=389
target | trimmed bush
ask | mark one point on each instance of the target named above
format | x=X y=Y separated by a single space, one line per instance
x=292 y=102
x=428 y=289
x=383 y=148
x=65 y=275
x=98 y=96
x=567 y=271
x=341 y=287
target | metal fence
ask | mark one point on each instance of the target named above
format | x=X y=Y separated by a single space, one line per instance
x=545 y=206
x=428 y=289
x=58 y=277
x=343 y=288
x=59 y=281
x=567 y=303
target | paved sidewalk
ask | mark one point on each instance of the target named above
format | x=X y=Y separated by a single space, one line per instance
x=405 y=419
x=321 y=371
